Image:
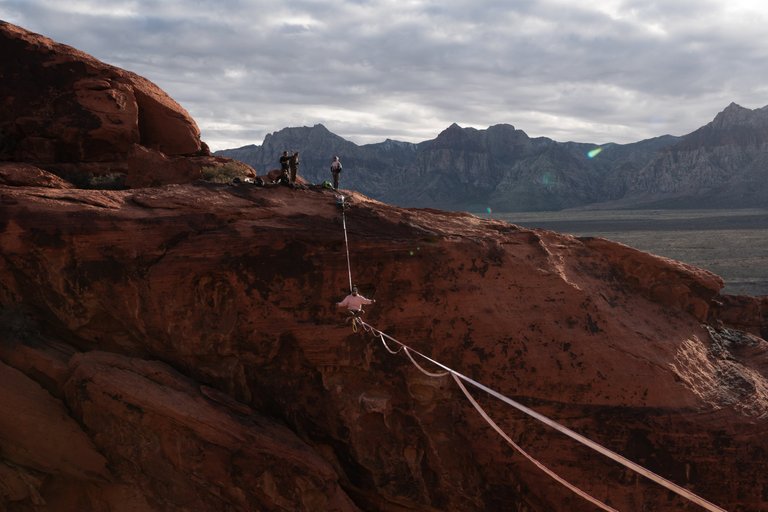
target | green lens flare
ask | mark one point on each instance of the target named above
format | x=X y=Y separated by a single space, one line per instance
x=592 y=153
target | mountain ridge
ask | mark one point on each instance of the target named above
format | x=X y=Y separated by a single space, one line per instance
x=719 y=165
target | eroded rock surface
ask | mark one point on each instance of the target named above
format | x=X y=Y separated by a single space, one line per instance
x=190 y=337
x=90 y=123
x=179 y=348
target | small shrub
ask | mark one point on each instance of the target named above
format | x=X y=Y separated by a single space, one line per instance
x=109 y=181
x=224 y=173
x=89 y=181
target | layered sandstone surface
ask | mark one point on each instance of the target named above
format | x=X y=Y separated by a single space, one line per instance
x=89 y=122
x=178 y=348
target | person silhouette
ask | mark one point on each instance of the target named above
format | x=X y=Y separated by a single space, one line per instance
x=335 y=171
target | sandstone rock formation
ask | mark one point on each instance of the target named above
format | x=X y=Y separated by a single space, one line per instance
x=66 y=112
x=178 y=348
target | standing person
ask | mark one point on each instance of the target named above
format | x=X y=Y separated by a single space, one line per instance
x=285 y=162
x=354 y=302
x=294 y=165
x=336 y=170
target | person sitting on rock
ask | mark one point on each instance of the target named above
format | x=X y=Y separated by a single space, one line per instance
x=354 y=302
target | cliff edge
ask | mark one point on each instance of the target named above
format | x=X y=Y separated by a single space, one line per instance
x=179 y=347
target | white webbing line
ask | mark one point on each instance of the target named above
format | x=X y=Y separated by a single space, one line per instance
x=498 y=429
x=346 y=244
x=425 y=372
x=570 y=433
x=387 y=346
x=525 y=454
x=685 y=493
x=493 y=424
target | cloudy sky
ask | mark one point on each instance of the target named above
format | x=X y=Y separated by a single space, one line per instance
x=608 y=71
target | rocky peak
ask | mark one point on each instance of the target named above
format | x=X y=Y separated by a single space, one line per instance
x=504 y=128
x=456 y=138
x=736 y=127
x=493 y=138
x=506 y=134
x=737 y=116
x=315 y=144
x=294 y=138
x=391 y=144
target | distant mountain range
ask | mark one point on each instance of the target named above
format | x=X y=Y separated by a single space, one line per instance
x=723 y=164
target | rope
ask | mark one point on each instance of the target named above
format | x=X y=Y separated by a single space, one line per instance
x=493 y=424
x=564 y=430
x=387 y=346
x=553 y=424
x=346 y=243
x=538 y=464
x=425 y=372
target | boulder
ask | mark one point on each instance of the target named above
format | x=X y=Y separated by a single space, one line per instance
x=96 y=125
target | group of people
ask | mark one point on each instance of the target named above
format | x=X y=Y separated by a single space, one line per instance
x=289 y=168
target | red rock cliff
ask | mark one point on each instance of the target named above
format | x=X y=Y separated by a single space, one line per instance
x=178 y=348
x=67 y=112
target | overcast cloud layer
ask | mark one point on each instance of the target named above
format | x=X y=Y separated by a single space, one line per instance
x=610 y=71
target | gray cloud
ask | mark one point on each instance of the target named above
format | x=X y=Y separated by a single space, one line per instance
x=617 y=71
